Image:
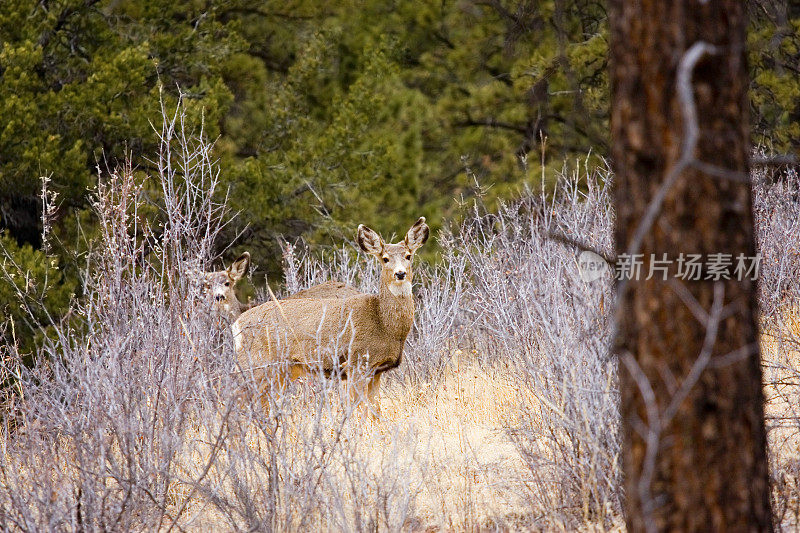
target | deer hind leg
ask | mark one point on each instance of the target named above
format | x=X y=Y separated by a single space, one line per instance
x=276 y=381
x=373 y=403
x=297 y=371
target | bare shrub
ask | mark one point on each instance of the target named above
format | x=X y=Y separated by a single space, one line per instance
x=533 y=313
x=303 y=269
x=502 y=416
x=138 y=418
x=101 y=408
x=106 y=409
x=776 y=204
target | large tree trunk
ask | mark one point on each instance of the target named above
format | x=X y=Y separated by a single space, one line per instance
x=694 y=443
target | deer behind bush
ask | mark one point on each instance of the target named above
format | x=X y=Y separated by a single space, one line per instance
x=219 y=286
x=361 y=332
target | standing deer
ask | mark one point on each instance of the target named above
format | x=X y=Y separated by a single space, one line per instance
x=288 y=338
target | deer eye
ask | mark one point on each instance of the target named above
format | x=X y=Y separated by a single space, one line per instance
x=227 y=283
x=385 y=259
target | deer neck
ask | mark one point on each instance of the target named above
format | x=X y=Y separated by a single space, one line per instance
x=233 y=310
x=396 y=306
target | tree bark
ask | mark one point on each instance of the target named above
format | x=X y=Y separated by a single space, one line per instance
x=693 y=437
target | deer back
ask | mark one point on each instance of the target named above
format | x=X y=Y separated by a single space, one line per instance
x=329 y=289
x=332 y=332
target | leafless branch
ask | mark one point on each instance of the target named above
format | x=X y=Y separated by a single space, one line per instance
x=691 y=132
x=569 y=241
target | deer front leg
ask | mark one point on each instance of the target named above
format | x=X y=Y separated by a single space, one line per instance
x=363 y=391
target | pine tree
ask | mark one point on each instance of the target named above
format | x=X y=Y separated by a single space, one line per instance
x=693 y=437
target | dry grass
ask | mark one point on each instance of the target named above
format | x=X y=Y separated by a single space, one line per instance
x=503 y=415
x=449 y=444
x=474 y=466
x=452 y=444
x=781 y=363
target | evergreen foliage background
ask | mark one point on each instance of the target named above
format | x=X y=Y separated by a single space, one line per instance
x=326 y=114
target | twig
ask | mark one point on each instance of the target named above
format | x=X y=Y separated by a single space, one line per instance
x=560 y=237
x=691 y=133
x=705 y=354
x=774 y=160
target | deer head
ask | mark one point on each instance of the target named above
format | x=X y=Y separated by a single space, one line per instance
x=396 y=273
x=219 y=286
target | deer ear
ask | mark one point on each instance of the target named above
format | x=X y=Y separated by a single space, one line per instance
x=417 y=235
x=369 y=241
x=239 y=267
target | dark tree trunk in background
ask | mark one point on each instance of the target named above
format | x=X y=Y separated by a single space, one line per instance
x=698 y=464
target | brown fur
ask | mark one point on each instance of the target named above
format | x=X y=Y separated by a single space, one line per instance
x=364 y=331
x=329 y=289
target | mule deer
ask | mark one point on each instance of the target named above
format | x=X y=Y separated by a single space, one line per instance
x=219 y=287
x=341 y=335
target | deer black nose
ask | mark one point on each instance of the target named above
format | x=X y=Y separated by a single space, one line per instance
x=219 y=297
x=400 y=275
